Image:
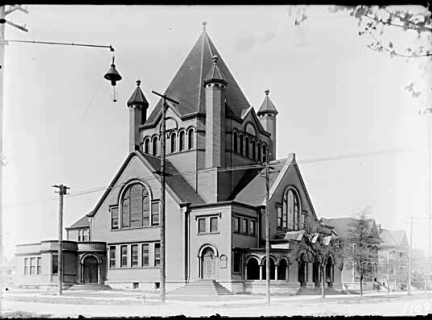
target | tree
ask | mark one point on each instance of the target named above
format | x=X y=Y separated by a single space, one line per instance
x=362 y=245
x=322 y=247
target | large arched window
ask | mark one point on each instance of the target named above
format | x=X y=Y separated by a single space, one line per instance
x=264 y=153
x=241 y=143
x=272 y=269
x=173 y=142
x=146 y=145
x=135 y=207
x=259 y=151
x=191 y=138
x=247 y=147
x=155 y=146
x=235 y=142
x=291 y=210
x=181 y=141
x=253 y=150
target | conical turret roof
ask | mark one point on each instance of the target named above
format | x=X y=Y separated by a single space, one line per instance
x=267 y=106
x=187 y=85
x=138 y=97
x=215 y=75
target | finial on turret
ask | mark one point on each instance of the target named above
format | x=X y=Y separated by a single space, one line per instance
x=138 y=82
x=215 y=59
x=204 y=26
x=267 y=92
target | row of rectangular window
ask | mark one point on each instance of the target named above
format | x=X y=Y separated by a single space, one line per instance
x=134 y=255
x=208 y=224
x=83 y=235
x=32 y=266
x=144 y=219
x=245 y=226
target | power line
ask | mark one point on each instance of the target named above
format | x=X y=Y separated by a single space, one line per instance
x=246 y=167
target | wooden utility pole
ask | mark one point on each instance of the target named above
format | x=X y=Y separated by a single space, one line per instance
x=267 y=224
x=62 y=191
x=410 y=258
x=3 y=21
x=163 y=174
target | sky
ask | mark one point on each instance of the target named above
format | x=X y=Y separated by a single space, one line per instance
x=337 y=100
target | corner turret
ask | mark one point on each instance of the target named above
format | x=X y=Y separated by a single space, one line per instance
x=267 y=115
x=138 y=106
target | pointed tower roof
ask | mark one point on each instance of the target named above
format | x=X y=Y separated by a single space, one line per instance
x=187 y=85
x=138 y=97
x=267 y=106
x=215 y=75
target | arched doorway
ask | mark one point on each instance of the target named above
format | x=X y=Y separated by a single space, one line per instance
x=207 y=264
x=316 y=274
x=90 y=268
x=302 y=270
x=272 y=269
x=252 y=269
x=283 y=270
x=329 y=272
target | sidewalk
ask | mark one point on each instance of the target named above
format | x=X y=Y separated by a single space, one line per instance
x=137 y=297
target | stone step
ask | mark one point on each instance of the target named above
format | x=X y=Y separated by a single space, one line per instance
x=201 y=288
x=90 y=286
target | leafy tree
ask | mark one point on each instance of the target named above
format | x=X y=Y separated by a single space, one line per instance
x=361 y=246
x=321 y=248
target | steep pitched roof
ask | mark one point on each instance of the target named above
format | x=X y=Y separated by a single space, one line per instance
x=267 y=106
x=81 y=223
x=187 y=85
x=176 y=185
x=138 y=97
x=343 y=226
x=393 y=238
x=251 y=188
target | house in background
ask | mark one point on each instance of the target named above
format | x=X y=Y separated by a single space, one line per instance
x=393 y=258
x=215 y=199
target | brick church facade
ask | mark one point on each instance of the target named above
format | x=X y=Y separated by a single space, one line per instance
x=215 y=201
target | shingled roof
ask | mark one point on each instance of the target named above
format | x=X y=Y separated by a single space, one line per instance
x=187 y=85
x=81 y=223
x=393 y=238
x=138 y=97
x=267 y=106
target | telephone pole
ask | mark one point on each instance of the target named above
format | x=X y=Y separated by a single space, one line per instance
x=3 y=21
x=163 y=174
x=410 y=257
x=62 y=191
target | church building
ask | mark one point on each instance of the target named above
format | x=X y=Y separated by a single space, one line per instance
x=216 y=147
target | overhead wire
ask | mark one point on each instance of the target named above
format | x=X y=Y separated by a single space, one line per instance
x=228 y=169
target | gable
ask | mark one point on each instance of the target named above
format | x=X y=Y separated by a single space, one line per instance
x=143 y=167
x=249 y=117
x=290 y=177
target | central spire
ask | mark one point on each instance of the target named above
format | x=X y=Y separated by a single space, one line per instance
x=204 y=24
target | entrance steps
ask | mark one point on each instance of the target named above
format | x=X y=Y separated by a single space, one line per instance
x=318 y=291
x=90 y=286
x=201 y=288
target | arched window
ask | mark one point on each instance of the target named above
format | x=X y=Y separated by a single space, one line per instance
x=191 y=138
x=235 y=142
x=181 y=141
x=155 y=144
x=135 y=207
x=264 y=153
x=247 y=146
x=173 y=142
x=241 y=144
x=146 y=145
x=291 y=210
x=259 y=151
x=252 y=269
x=253 y=150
